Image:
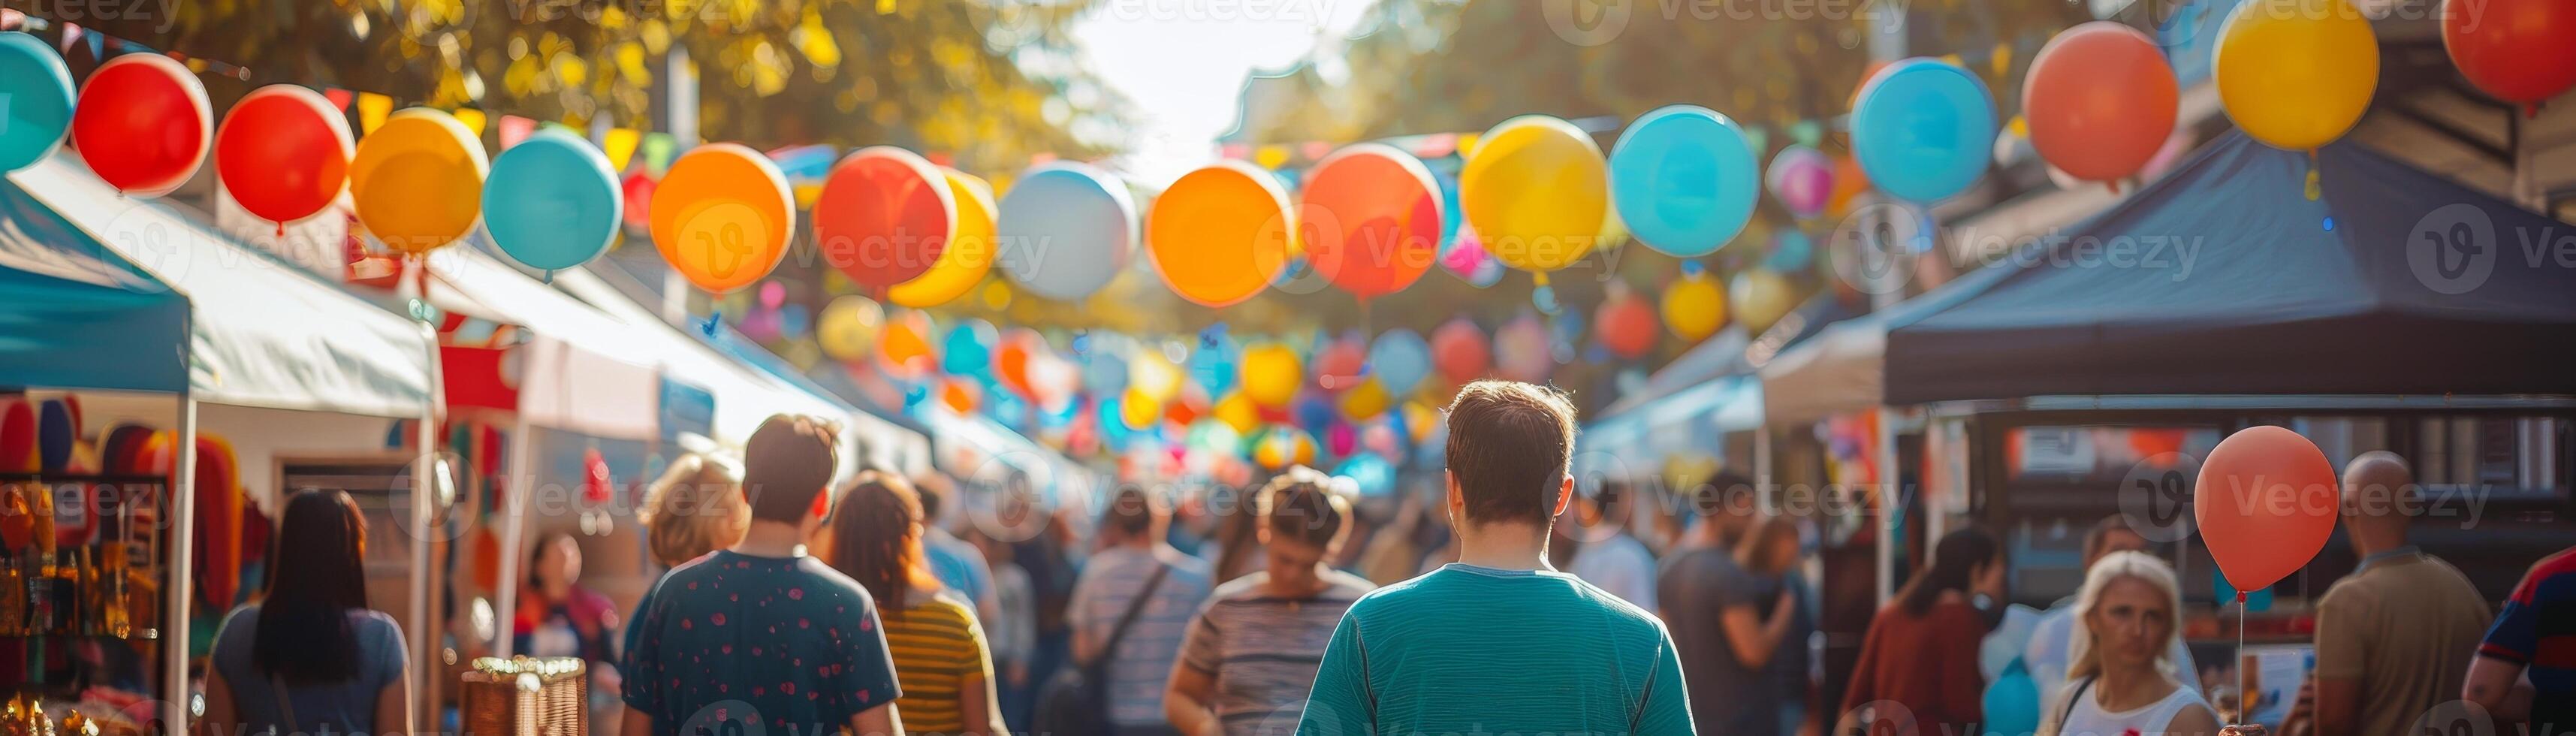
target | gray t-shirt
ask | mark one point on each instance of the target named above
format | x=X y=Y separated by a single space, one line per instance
x=1143 y=662
x=342 y=707
x=1726 y=697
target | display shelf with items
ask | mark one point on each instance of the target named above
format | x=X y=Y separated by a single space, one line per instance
x=82 y=566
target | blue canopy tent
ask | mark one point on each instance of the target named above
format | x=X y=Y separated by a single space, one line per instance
x=2395 y=282
x=112 y=293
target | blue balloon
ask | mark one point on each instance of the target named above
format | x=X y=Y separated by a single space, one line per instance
x=1684 y=179
x=1791 y=252
x=2012 y=703
x=1104 y=371
x=1448 y=178
x=1065 y=230
x=1313 y=412
x=552 y=202
x=1217 y=362
x=1372 y=474
x=968 y=351
x=38 y=89
x=1400 y=359
x=1924 y=130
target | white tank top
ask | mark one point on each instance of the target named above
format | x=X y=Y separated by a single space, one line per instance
x=2089 y=719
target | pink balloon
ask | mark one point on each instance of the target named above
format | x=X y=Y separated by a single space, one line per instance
x=1341 y=439
x=1802 y=179
x=1338 y=368
x=1522 y=352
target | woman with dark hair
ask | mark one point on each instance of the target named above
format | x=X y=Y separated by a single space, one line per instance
x=310 y=657
x=1920 y=655
x=557 y=617
x=942 y=670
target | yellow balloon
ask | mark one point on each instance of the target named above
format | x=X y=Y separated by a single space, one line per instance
x=1695 y=307
x=1282 y=446
x=1365 y=401
x=417 y=181
x=1761 y=297
x=1238 y=412
x=1270 y=374
x=848 y=327
x=2296 y=75
x=722 y=217
x=1537 y=191
x=1151 y=373
x=1137 y=410
x=970 y=250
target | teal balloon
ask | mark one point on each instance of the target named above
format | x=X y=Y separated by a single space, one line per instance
x=1684 y=178
x=968 y=350
x=2012 y=703
x=1372 y=474
x=1924 y=130
x=35 y=101
x=1400 y=359
x=1217 y=362
x=551 y=202
x=1791 y=252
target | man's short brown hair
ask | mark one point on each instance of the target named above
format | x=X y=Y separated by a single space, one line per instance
x=788 y=462
x=1509 y=443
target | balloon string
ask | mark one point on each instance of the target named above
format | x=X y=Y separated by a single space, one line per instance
x=2314 y=189
x=2244 y=700
x=549 y=276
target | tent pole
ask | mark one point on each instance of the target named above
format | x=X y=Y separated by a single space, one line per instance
x=1890 y=504
x=178 y=576
x=424 y=492
x=514 y=523
x=1762 y=487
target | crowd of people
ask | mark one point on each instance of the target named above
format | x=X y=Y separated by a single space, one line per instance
x=793 y=606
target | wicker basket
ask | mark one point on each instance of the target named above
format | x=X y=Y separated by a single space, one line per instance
x=521 y=696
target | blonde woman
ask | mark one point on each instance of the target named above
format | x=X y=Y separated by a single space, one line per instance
x=2121 y=679
x=696 y=507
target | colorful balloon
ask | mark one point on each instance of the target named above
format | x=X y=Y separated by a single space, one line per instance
x=39 y=89
x=1522 y=352
x=1627 y=326
x=1802 y=179
x=1459 y=351
x=968 y=350
x=417 y=181
x=1154 y=376
x=1104 y=364
x=848 y=328
x=969 y=254
x=903 y=346
x=1020 y=347
x=552 y=202
x=1364 y=402
x=1339 y=364
x=1138 y=411
x=2266 y=501
x=1760 y=297
x=1399 y=360
x=1066 y=230
x=1281 y=447
x=142 y=123
x=1217 y=362
x=884 y=217
x=1219 y=235
x=283 y=153
x=960 y=394
x=1372 y=218
x=1923 y=129
x=1466 y=259
x=1271 y=374
x=723 y=216
x=1684 y=178
x=1237 y=411
x=2516 y=50
x=1694 y=307
x=1536 y=190
x=2296 y=79
x=2099 y=101
x=1791 y=252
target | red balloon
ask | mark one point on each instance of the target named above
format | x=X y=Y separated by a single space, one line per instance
x=1459 y=351
x=1370 y=217
x=143 y=124
x=2266 y=502
x=283 y=152
x=1338 y=368
x=2517 y=50
x=884 y=216
x=2100 y=100
x=1627 y=326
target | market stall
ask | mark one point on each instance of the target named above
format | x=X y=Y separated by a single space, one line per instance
x=197 y=316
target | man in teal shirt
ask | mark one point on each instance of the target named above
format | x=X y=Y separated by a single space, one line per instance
x=1498 y=642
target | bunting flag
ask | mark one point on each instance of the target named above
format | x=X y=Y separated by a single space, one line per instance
x=515 y=129
x=659 y=149
x=472 y=118
x=372 y=110
x=340 y=98
x=619 y=144
x=71 y=35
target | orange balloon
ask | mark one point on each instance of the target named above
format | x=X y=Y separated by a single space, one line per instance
x=1220 y=234
x=903 y=347
x=1370 y=215
x=722 y=217
x=961 y=395
x=2266 y=502
x=2100 y=100
x=1011 y=360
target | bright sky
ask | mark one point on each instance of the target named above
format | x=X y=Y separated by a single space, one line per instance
x=1182 y=63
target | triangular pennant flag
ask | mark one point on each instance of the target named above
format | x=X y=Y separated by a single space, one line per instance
x=372 y=110
x=515 y=129
x=71 y=35
x=97 y=46
x=619 y=144
x=472 y=118
x=1270 y=157
x=340 y=98
x=658 y=150
x=195 y=65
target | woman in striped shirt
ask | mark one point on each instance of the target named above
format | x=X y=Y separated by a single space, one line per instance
x=940 y=660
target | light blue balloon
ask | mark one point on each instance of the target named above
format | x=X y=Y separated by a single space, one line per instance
x=2012 y=703
x=1104 y=371
x=1791 y=252
x=35 y=101
x=1065 y=230
x=1217 y=362
x=551 y=202
x=1924 y=130
x=1684 y=179
x=1372 y=474
x=968 y=350
x=1400 y=359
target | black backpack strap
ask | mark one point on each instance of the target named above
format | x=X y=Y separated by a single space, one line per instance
x=2071 y=700
x=1134 y=608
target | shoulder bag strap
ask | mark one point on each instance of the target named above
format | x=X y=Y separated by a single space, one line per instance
x=285 y=705
x=1134 y=608
x=2071 y=701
